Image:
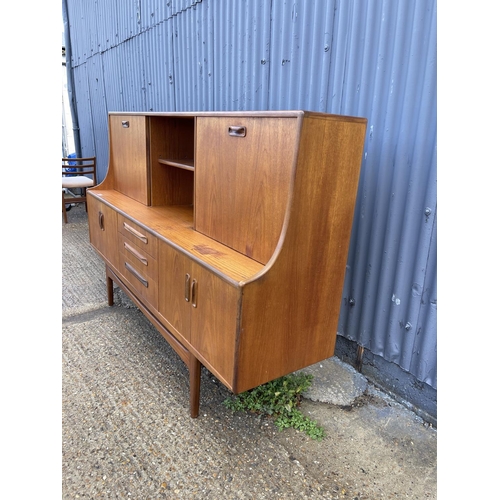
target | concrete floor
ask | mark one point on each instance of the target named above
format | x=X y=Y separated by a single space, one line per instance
x=126 y=430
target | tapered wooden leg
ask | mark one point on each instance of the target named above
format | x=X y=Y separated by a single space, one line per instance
x=194 y=385
x=109 y=289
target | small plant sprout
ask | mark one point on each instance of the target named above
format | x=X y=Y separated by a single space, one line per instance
x=279 y=399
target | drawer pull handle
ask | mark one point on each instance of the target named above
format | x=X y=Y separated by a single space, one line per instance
x=135 y=253
x=237 y=131
x=136 y=233
x=125 y=124
x=194 y=296
x=136 y=274
x=101 y=220
x=187 y=288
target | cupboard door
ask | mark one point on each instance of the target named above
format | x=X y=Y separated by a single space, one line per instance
x=174 y=288
x=243 y=179
x=200 y=309
x=214 y=321
x=103 y=230
x=128 y=155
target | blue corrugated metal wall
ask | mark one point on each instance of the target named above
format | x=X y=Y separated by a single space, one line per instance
x=375 y=59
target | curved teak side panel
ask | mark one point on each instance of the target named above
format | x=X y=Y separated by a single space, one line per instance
x=109 y=179
x=289 y=315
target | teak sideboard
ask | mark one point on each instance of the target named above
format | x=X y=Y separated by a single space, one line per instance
x=230 y=232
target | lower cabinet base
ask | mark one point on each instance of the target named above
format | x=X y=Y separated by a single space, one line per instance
x=187 y=357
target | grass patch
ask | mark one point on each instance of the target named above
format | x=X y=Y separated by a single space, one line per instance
x=280 y=399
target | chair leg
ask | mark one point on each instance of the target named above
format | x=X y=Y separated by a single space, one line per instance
x=64 y=209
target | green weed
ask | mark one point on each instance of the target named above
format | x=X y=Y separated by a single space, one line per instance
x=279 y=399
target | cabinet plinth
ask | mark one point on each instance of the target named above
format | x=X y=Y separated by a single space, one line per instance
x=230 y=231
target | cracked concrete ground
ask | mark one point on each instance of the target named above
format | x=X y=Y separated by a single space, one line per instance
x=126 y=430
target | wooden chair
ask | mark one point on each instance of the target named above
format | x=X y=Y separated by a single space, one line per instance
x=77 y=178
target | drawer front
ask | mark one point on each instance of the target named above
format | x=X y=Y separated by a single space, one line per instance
x=135 y=274
x=137 y=235
x=143 y=262
x=138 y=259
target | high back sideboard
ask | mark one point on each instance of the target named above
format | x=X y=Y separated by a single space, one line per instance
x=230 y=232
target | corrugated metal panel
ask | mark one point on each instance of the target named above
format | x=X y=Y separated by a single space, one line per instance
x=157 y=60
x=241 y=55
x=392 y=234
x=84 y=110
x=371 y=59
x=301 y=34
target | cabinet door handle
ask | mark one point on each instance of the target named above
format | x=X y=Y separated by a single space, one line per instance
x=136 y=274
x=136 y=233
x=187 y=288
x=194 y=296
x=101 y=220
x=237 y=131
x=125 y=124
x=135 y=253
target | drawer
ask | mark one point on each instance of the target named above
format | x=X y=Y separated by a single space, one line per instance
x=144 y=286
x=144 y=240
x=142 y=261
x=139 y=269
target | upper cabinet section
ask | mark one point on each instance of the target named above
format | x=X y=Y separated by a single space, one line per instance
x=240 y=179
x=128 y=155
x=243 y=179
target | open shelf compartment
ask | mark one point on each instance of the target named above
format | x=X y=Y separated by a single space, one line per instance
x=171 y=159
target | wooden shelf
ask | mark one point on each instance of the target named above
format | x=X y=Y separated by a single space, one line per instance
x=185 y=164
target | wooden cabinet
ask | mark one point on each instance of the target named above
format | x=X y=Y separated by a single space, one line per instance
x=230 y=231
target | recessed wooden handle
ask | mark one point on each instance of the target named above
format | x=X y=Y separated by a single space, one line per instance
x=136 y=233
x=194 y=298
x=101 y=220
x=135 y=253
x=143 y=281
x=237 y=131
x=125 y=124
x=187 y=288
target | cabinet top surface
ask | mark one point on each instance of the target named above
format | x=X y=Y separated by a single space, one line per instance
x=257 y=114
x=174 y=224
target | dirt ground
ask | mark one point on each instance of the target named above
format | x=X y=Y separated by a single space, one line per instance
x=373 y=449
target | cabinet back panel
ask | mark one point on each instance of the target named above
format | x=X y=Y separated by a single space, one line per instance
x=243 y=181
